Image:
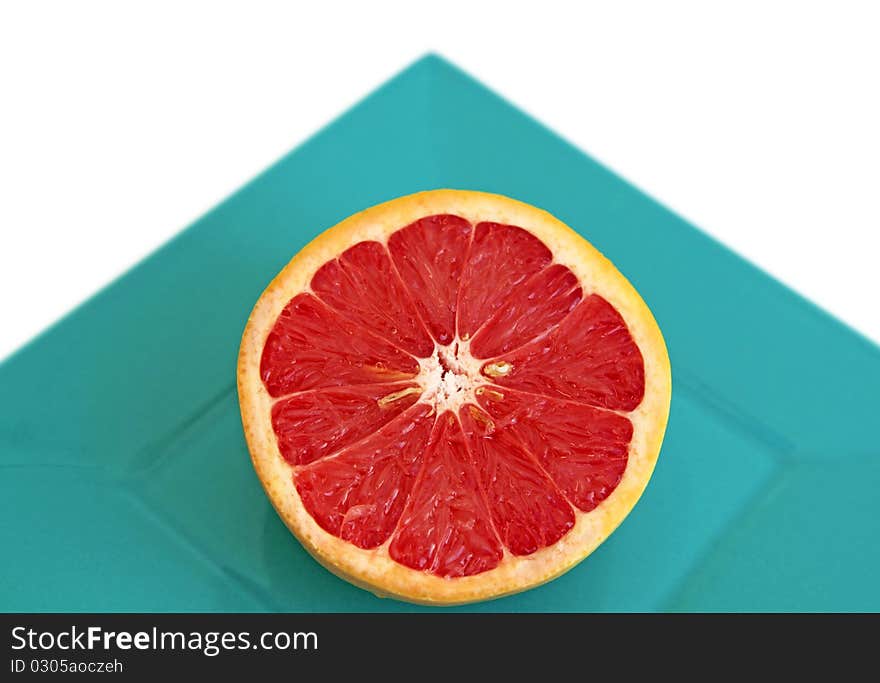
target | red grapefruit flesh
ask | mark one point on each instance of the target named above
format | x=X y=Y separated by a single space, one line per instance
x=455 y=401
x=429 y=256
x=446 y=528
x=360 y=493
x=313 y=424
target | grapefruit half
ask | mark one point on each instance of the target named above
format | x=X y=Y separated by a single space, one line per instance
x=452 y=396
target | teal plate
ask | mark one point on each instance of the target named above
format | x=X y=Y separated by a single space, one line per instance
x=127 y=485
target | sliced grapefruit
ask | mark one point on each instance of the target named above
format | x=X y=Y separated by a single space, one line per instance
x=452 y=396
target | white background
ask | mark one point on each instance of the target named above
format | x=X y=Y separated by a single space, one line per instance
x=119 y=126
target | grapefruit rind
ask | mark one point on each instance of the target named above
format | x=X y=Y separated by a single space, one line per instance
x=374 y=569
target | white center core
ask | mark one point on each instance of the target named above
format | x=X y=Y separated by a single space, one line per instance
x=450 y=376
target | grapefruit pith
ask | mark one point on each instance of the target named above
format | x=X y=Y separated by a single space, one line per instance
x=452 y=396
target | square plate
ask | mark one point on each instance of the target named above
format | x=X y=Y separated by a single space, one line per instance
x=127 y=484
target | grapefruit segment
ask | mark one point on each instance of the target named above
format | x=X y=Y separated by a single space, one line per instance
x=531 y=308
x=528 y=511
x=430 y=256
x=360 y=493
x=446 y=528
x=583 y=449
x=313 y=424
x=504 y=255
x=362 y=286
x=590 y=357
x=312 y=346
x=452 y=396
